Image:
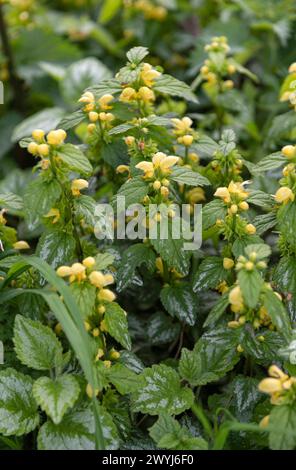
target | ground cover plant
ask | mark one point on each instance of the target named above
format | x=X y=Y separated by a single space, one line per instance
x=121 y=342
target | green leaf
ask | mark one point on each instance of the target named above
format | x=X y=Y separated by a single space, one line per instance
x=211 y=212
x=168 y=434
x=56 y=396
x=11 y=201
x=74 y=158
x=115 y=153
x=217 y=311
x=172 y=86
x=261 y=199
x=76 y=432
x=116 y=323
x=109 y=10
x=71 y=120
x=172 y=250
x=161 y=392
x=277 y=313
x=264 y=222
x=47 y=120
x=250 y=283
x=39 y=198
x=123 y=379
x=180 y=301
x=36 y=345
x=84 y=207
x=262 y=251
x=162 y=329
x=282 y=427
x=284 y=277
x=137 y=54
x=209 y=274
x=103 y=260
x=271 y=162
x=132 y=259
x=85 y=296
x=213 y=356
x=56 y=247
x=287 y=222
x=81 y=75
x=134 y=190
x=18 y=409
x=282 y=125
x=205 y=146
x=240 y=244
x=186 y=176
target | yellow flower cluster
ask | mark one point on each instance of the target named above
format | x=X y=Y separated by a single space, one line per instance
x=259 y=317
x=183 y=130
x=41 y=146
x=290 y=95
x=149 y=9
x=96 y=110
x=158 y=170
x=250 y=263
x=234 y=197
x=278 y=385
x=144 y=92
x=213 y=73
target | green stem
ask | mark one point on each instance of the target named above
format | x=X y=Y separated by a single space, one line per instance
x=198 y=411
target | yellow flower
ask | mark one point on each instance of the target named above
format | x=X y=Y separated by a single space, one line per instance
x=114 y=354
x=236 y=298
x=228 y=263
x=122 y=169
x=104 y=101
x=33 y=148
x=93 y=116
x=107 y=295
x=276 y=372
x=270 y=385
x=55 y=213
x=38 y=135
x=284 y=195
x=128 y=94
x=64 y=271
x=78 y=185
x=106 y=117
x=250 y=229
x=167 y=162
x=292 y=68
x=244 y=206
x=289 y=151
x=187 y=140
x=56 y=137
x=196 y=195
x=129 y=140
x=223 y=193
x=87 y=97
x=149 y=75
x=147 y=168
x=43 y=150
x=89 y=262
x=182 y=126
x=146 y=94
x=21 y=245
x=97 y=278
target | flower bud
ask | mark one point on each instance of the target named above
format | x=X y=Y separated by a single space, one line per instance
x=250 y=229
x=228 y=263
x=38 y=135
x=43 y=150
x=21 y=245
x=284 y=195
x=289 y=151
x=89 y=262
x=33 y=148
